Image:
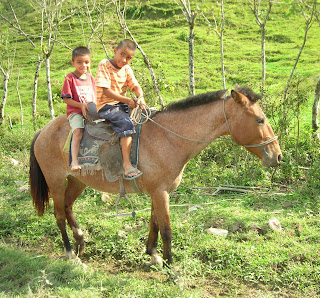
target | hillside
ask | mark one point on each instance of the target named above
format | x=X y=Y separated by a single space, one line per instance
x=162 y=32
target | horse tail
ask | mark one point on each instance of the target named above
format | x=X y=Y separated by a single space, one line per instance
x=38 y=185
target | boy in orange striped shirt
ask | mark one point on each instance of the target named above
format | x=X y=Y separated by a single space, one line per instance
x=112 y=80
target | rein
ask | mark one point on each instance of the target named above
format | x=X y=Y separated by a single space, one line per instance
x=147 y=113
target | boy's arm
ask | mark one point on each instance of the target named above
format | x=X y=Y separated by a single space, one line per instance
x=83 y=106
x=112 y=94
x=139 y=93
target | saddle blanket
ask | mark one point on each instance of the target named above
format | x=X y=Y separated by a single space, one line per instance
x=100 y=148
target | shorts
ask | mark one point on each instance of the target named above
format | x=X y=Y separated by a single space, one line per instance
x=76 y=121
x=118 y=115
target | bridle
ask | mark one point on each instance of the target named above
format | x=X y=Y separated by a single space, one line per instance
x=146 y=113
x=247 y=146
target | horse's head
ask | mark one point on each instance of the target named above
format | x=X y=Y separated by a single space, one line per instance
x=250 y=127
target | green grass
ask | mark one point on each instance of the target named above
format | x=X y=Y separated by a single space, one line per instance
x=250 y=262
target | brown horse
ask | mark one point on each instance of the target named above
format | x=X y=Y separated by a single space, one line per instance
x=167 y=142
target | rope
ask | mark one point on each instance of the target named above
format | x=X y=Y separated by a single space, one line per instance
x=144 y=111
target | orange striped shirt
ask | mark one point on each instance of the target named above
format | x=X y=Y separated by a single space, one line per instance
x=117 y=79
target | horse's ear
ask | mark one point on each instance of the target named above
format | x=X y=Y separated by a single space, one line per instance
x=237 y=97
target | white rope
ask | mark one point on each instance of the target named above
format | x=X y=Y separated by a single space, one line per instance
x=144 y=110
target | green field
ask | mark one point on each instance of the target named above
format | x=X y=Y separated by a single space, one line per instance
x=253 y=260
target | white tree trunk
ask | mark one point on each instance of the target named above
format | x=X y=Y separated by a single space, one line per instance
x=5 y=92
x=221 y=48
x=35 y=90
x=50 y=103
x=263 y=60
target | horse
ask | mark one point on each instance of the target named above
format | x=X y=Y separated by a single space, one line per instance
x=168 y=140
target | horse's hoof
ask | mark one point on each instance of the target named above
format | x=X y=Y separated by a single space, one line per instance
x=156 y=260
x=79 y=248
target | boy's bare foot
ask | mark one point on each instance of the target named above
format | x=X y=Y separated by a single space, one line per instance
x=132 y=173
x=75 y=168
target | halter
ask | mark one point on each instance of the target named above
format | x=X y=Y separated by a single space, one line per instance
x=146 y=113
x=247 y=146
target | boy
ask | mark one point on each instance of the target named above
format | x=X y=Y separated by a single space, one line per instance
x=78 y=90
x=112 y=79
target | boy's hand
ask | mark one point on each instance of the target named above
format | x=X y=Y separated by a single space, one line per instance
x=132 y=103
x=84 y=109
x=141 y=102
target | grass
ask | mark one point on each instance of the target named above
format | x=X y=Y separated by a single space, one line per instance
x=253 y=260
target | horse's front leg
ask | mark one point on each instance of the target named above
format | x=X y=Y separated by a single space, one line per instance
x=160 y=220
x=152 y=242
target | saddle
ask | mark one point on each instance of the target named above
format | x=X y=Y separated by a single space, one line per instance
x=100 y=147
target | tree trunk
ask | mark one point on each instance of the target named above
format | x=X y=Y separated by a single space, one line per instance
x=50 y=103
x=5 y=93
x=315 y=108
x=191 y=60
x=35 y=90
x=221 y=48
x=263 y=60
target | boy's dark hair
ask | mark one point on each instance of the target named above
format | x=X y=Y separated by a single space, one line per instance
x=80 y=51
x=127 y=43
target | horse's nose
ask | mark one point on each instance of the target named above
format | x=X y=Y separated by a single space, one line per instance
x=279 y=158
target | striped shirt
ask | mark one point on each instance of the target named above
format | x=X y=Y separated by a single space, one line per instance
x=117 y=79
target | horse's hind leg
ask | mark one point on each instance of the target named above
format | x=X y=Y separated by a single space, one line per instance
x=73 y=190
x=58 y=195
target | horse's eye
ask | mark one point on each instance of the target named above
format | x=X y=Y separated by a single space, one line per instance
x=260 y=121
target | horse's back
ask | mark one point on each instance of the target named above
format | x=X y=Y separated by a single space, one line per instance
x=50 y=143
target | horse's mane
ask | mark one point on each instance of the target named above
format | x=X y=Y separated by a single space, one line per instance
x=246 y=91
x=206 y=98
x=196 y=100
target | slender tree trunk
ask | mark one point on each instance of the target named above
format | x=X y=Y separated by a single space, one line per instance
x=315 y=108
x=263 y=59
x=221 y=48
x=50 y=103
x=191 y=60
x=6 y=77
x=262 y=24
x=124 y=25
x=35 y=90
x=308 y=26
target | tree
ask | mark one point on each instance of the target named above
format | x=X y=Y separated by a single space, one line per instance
x=51 y=18
x=96 y=19
x=6 y=68
x=219 y=30
x=257 y=11
x=309 y=12
x=124 y=26
x=315 y=109
x=190 y=17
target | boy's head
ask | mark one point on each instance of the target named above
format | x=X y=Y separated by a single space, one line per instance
x=123 y=53
x=81 y=60
x=127 y=43
x=80 y=51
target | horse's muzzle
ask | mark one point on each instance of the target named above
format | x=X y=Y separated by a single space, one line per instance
x=271 y=160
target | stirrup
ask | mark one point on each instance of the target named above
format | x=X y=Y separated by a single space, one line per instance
x=123 y=194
